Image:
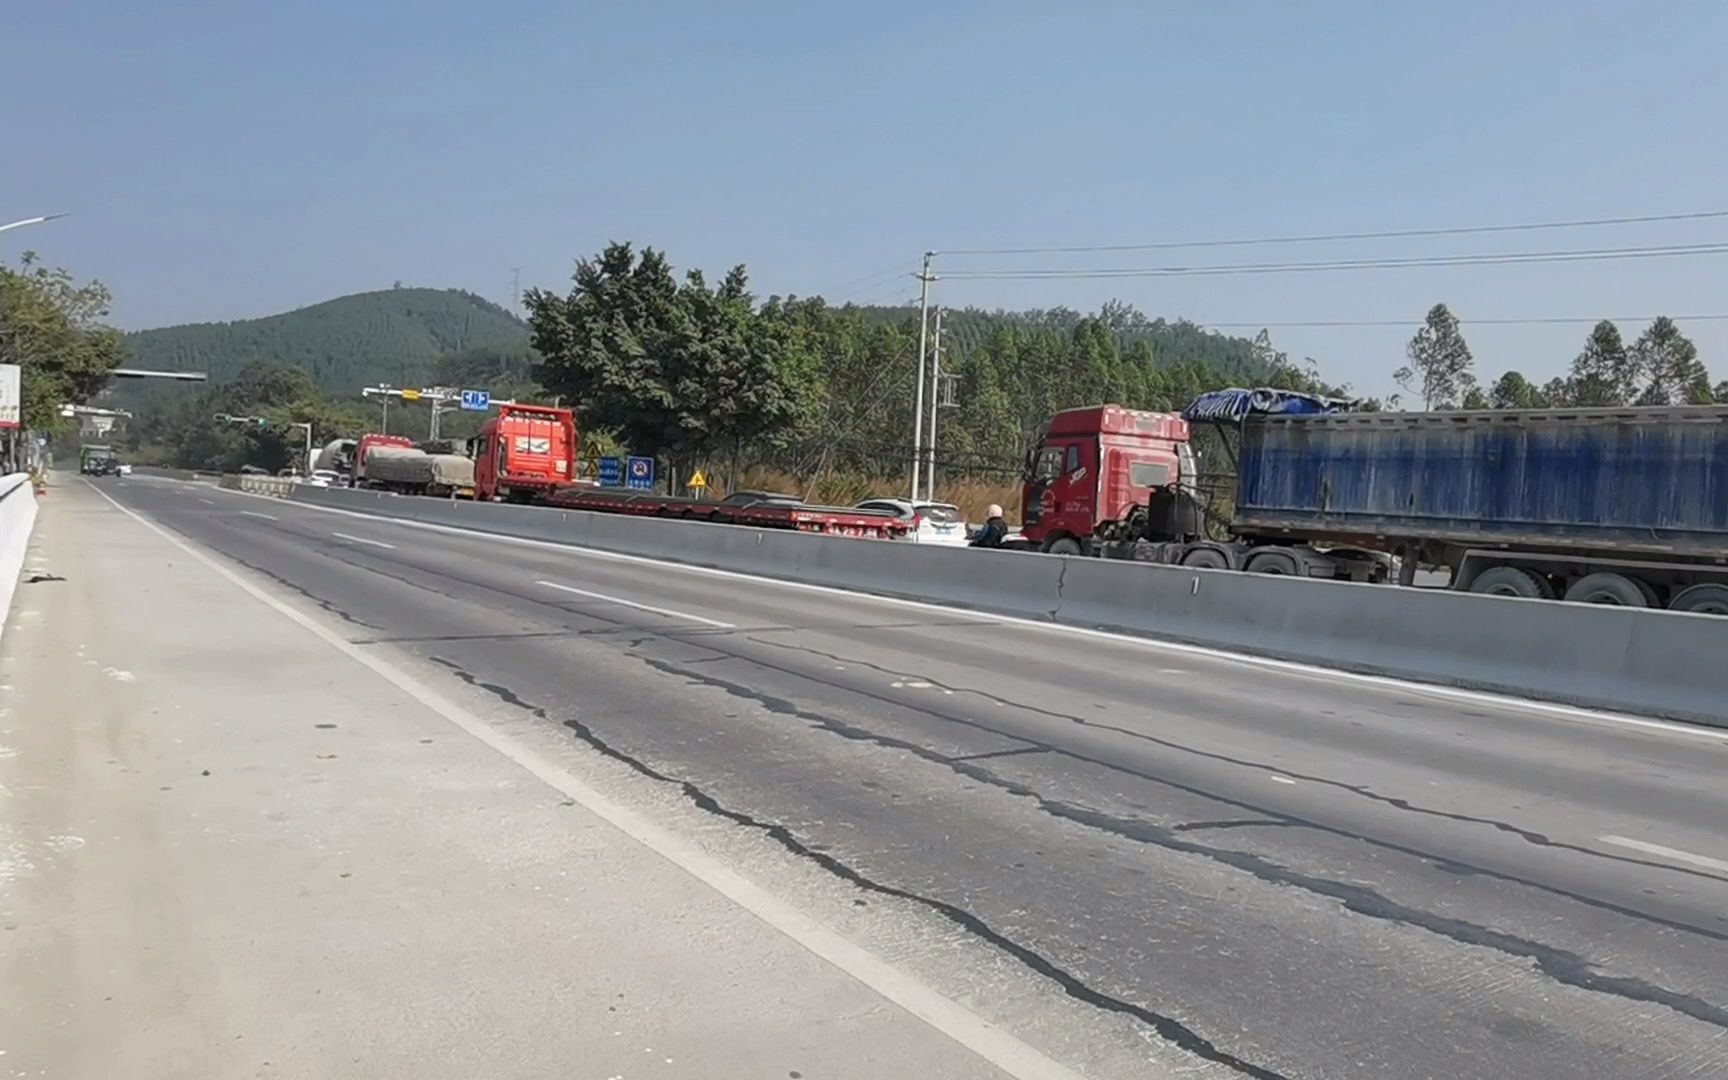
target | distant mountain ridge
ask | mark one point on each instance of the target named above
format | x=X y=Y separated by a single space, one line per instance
x=352 y=341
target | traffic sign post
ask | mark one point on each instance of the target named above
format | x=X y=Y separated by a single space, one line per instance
x=640 y=473
x=698 y=481
x=610 y=472
x=476 y=400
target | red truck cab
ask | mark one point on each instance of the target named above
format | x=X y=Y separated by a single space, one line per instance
x=369 y=443
x=1093 y=466
x=525 y=453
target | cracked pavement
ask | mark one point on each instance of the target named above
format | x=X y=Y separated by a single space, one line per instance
x=1111 y=849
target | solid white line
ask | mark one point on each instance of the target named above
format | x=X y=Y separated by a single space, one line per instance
x=639 y=606
x=1673 y=854
x=1555 y=710
x=256 y=514
x=363 y=540
x=208 y=502
x=988 y=1041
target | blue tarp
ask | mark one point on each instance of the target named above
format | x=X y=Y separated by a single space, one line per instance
x=1235 y=403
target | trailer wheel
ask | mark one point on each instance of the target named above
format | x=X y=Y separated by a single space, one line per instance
x=1206 y=559
x=1512 y=581
x=1274 y=562
x=1614 y=589
x=1062 y=545
x=1704 y=599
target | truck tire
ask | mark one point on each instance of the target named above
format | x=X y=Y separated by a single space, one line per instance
x=1606 y=588
x=1704 y=599
x=1512 y=581
x=1275 y=561
x=1062 y=545
x=1206 y=559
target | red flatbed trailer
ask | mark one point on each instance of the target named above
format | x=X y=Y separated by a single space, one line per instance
x=761 y=514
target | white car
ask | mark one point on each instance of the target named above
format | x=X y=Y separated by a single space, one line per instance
x=320 y=478
x=929 y=522
x=122 y=469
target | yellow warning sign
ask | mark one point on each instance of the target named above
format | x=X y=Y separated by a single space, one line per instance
x=697 y=480
x=410 y=395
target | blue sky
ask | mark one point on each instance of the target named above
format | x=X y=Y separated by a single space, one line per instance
x=224 y=160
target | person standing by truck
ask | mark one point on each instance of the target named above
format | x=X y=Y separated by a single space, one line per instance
x=995 y=530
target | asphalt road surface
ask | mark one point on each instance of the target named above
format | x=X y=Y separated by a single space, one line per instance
x=1123 y=853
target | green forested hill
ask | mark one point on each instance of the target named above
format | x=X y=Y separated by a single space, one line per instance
x=396 y=335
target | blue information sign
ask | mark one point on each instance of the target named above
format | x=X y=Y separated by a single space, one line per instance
x=640 y=474
x=476 y=400
x=610 y=472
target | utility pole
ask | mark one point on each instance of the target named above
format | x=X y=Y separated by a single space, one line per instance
x=924 y=279
x=935 y=403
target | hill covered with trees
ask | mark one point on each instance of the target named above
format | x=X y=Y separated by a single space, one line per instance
x=395 y=335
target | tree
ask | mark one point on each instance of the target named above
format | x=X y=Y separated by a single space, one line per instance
x=1475 y=399
x=1441 y=367
x=1513 y=391
x=1605 y=373
x=51 y=327
x=1668 y=364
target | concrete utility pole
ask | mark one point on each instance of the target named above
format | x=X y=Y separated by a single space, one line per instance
x=935 y=403
x=924 y=279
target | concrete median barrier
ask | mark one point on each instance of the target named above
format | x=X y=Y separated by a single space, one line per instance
x=17 y=518
x=1653 y=662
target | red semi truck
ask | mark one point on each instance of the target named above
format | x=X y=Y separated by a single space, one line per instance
x=369 y=443
x=1093 y=467
x=525 y=453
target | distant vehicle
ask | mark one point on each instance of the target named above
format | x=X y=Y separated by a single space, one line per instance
x=122 y=469
x=96 y=460
x=320 y=478
x=253 y=470
x=409 y=471
x=364 y=449
x=926 y=522
x=525 y=453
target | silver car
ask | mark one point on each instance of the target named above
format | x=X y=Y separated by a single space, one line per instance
x=927 y=522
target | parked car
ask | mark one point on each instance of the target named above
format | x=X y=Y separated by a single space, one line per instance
x=927 y=522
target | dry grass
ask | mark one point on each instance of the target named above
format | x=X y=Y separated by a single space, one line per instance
x=971 y=495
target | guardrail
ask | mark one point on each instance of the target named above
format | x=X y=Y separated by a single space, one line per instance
x=17 y=518
x=278 y=486
x=1662 y=663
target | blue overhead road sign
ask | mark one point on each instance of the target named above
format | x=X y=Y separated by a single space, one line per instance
x=641 y=473
x=476 y=400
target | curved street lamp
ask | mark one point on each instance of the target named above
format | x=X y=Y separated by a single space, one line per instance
x=30 y=221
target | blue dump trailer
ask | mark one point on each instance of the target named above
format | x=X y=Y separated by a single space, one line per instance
x=1612 y=506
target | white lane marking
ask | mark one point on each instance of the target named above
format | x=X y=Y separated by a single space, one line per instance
x=1573 y=713
x=668 y=612
x=942 y=1013
x=207 y=502
x=1276 y=779
x=1673 y=854
x=256 y=514
x=363 y=540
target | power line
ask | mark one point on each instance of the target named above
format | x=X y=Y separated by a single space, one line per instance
x=903 y=267
x=1481 y=259
x=1541 y=321
x=1330 y=237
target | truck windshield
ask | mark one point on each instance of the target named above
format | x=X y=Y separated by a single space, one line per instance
x=1049 y=465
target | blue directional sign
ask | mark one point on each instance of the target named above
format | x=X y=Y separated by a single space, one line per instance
x=610 y=472
x=476 y=400
x=640 y=473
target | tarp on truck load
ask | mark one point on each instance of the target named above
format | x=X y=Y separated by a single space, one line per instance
x=1235 y=403
x=415 y=468
x=1652 y=480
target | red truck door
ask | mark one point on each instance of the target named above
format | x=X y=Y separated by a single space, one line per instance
x=1061 y=502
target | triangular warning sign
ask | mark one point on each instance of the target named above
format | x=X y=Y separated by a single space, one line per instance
x=698 y=480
